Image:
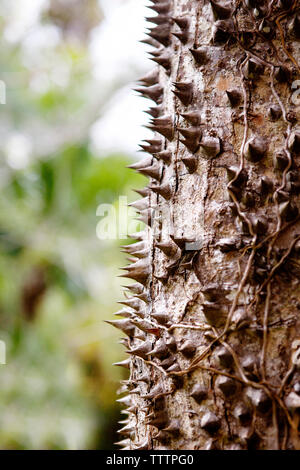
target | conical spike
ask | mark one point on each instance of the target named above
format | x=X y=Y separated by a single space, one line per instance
x=154 y=171
x=138 y=271
x=123 y=443
x=191 y=146
x=124 y=313
x=155 y=111
x=183 y=37
x=146 y=217
x=252 y=69
x=184 y=92
x=200 y=56
x=157 y=52
x=182 y=22
x=192 y=134
x=152 y=77
x=143 y=378
x=169 y=248
x=156 y=390
x=164 y=190
x=222 y=32
x=255 y=149
x=165 y=156
x=173 y=427
x=126 y=401
x=191 y=163
x=164 y=60
x=144 y=297
x=161 y=318
x=144 y=445
x=159 y=19
x=141 y=164
x=141 y=253
x=211 y=146
x=150 y=148
x=131 y=303
x=126 y=429
x=142 y=350
x=141 y=204
x=160 y=350
x=234 y=97
x=221 y=11
x=154 y=92
x=124 y=325
x=138 y=235
x=125 y=363
x=143 y=192
x=282 y=74
x=188 y=348
x=135 y=288
x=164 y=126
x=161 y=7
x=150 y=42
x=133 y=247
x=161 y=34
x=193 y=117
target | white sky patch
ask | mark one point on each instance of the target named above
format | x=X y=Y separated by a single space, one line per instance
x=115 y=47
x=18 y=150
x=121 y=127
x=23 y=15
x=116 y=54
x=116 y=51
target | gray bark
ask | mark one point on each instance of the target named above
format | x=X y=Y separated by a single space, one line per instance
x=213 y=324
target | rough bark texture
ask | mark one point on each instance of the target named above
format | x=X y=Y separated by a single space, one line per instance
x=214 y=323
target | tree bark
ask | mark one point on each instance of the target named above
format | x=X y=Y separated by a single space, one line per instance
x=213 y=324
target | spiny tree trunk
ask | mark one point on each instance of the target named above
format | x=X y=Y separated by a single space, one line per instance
x=214 y=321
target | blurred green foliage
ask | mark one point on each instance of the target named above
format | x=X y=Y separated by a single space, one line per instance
x=58 y=282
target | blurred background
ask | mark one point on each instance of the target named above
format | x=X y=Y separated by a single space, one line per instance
x=70 y=125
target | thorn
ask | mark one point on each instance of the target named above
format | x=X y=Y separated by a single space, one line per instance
x=211 y=146
x=164 y=190
x=193 y=117
x=200 y=56
x=210 y=422
x=234 y=97
x=199 y=393
x=165 y=156
x=255 y=149
x=161 y=7
x=223 y=30
x=153 y=171
x=159 y=19
x=142 y=192
x=184 y=91
x=154 y=92
x=164 y=60
x=161 y=34
x=142 y=350
x=125 y=363
x=183 y=37
x=220 y=11
x=169 y=248
x=252 y=69
x=141 y=164
x=124 y=325
x=155 y=111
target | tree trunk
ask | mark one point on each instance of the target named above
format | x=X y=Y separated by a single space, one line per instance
x=213 y=325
